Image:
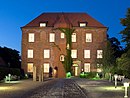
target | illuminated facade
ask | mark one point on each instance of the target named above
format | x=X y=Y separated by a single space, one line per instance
x=44 y=45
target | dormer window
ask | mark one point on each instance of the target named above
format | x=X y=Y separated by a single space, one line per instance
x=82 y=24
x=43 y=24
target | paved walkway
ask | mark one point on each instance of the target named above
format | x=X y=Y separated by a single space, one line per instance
x=61 y=88
x=101 y=88
x=15 y=89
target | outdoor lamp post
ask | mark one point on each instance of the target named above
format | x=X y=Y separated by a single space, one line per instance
x=126 y=85
x=115 y=80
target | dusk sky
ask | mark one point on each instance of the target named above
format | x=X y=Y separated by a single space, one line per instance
x=17 y=13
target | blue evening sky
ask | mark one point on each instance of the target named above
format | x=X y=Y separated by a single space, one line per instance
x=17 y=13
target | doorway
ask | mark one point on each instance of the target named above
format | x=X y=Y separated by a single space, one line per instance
x=76 y=71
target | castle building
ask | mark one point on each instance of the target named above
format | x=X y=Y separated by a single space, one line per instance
x=44 y=45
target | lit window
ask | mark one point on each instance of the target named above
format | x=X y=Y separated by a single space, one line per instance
x=86 y=53
x=74 y=53
x=30 y=53
x=30 y=67
x=99 y=69
x=52 y=37
x=62 y=57
x=46 y=67
x=82 y=25
x=62 y=35
x=86 y=67
x=99 y=53
x=46 y=53
x=74 y=37
x=31 y=37
x=43 y=24
x=88 y=37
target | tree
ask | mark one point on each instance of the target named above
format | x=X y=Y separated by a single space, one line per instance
x=126 y=32
x=124 y=61
x=124 y=64
x=11 y=57
x=117 y=48
x=68 y=59
x=108 y=61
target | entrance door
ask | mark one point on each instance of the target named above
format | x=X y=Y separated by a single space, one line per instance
x=76 y=71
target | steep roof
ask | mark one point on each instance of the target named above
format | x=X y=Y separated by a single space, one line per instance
x=69 y=19
x=62 y=22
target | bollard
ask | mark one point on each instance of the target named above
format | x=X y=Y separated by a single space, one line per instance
x=115 y=80
x=126 y=85
x=9 y=77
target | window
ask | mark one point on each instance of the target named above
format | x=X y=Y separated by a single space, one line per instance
x=30 y=53
x=43 y=24
x=86 y=53
x=30 y=67
x=46 y=67
x=82 y=24
x=62 y=35
x=86 y=67
x=52 y=37
x=74 y=53
x=62 y=57
x=31 y=37
x=74 y=37
x=99 y=69
x=88 y=37
x=99 y=53
x=46 y=53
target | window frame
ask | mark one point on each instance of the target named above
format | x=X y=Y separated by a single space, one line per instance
x=87 y=54
x=88 y=37
x=30 y=68
x=46 y=53
x=82 y=24
x=87 y=69
x=100 y=53
x=30 y=53
x=74 y=53
x=73 y=37
x=62 y=58
x=52 y=37
x=62 y=35
x=46 y=69
x=43 y=24
x=31 y=37
x=99 y=69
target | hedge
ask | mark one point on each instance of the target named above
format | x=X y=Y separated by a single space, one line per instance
x=5 y=71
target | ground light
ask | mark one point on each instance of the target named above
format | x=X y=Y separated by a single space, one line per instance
x=8 y=86
x=126 y=85
x=68 y=75
x=111 y=88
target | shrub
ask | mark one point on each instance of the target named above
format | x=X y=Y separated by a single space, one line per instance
x=5 y=71
x=68 y=75
x=83 y=75
x=90 y=75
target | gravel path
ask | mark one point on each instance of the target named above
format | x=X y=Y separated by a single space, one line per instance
x=60 y=88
